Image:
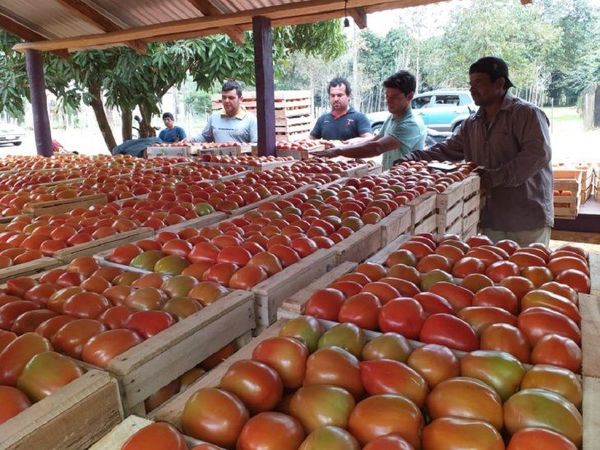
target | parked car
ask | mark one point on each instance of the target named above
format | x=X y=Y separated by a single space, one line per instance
x=11 y=134
x=441 y=110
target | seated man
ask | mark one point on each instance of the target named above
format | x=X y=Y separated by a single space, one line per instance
x=232 y=123
x=343 y=123
x=401 y=133
x=171 y=133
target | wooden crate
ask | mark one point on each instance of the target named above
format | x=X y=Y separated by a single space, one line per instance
x=103 y=244
x=471 y=204
x=427 y=225
x=469 y=232
x=382 y=254
x=450 y=197
x=64 y=205
x=147 y=367
x=359 y=245
x=270 y=294
x=28 y=268
x=296 y=111
x=291 y=121
x=591 y=413
x=472 y=184
x=567 y=206
x=471 y=220
x=300 y=154
x=171 y=151
x=450 y=220
x=291 y=137
x=73 y=417
x=397 y=223
x=422 y=207
x=198 y=222
x=589 y=306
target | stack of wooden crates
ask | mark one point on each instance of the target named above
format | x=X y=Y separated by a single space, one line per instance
x=573 y=186
x=458 y=208
x=293 y=112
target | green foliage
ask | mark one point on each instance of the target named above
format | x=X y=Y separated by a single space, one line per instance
x=196 y=100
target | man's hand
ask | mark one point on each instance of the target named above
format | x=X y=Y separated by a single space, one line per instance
x=185 y=141
x=402 y=160
x=329 y=153
x=486 y=177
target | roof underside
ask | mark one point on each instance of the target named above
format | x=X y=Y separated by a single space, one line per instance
x=59 y=25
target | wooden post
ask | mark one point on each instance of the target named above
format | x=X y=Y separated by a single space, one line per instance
x=37 y=89
x=265 y=87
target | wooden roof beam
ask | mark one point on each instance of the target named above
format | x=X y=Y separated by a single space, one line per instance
x=26 y=33
x=101 y=21
x=280 y=15
x=359 y=15
x=209 y=9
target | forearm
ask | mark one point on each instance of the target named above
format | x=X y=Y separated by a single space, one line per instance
x=362 y=150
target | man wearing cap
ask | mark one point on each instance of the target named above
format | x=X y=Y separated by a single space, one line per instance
x=509 y=140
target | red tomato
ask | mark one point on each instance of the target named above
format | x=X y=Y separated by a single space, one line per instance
x=6 y=337
x=156 y=436
x=481 y=317
x=102 y=348
x=86 y=305
x=558 y=351
x=12 y=402
x=458 y=296
x=18 y=353
x=555 y=379
x=361 y=309
x=51 y=326
x=115 y=316
x=317 y=406
x=12 y=310
x=148 y=323
x=325 y=304
x=214 y=415
x=387 y=346
x=448 y=330
x=450 y=433
x=331 y=438
x=538 y=321
x=287 y=356
x=506 y=338
x=435 y=363
x=271 y=431
x=529 y=438
x=389 y=442
x=256 y=384
x=30 y=320
x=404 y=316
x=334 y=366
x=72 y=336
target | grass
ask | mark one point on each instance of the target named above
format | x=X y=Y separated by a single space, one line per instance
x=562 y=114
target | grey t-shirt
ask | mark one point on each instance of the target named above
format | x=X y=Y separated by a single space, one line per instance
x=222 y=128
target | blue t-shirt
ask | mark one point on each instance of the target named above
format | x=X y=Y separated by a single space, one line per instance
x=351 y=125
x=409 y=130
x=174 y=134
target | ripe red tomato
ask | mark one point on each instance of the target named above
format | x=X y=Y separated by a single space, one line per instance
x=17 y=354
x=287 y=356
x=507 y=338
x=448 y=330
x=404 y=316
x=435 y=363
x=148 y=323
x=362 y=310
x=537 y=322
x=12 y=402
x=73 y=335
x=449 y=433
x=316 y=406
x=214 y=415
x=555 y=379
x=102 y=348
x=325 y=304
x=156 y=436
x=334 y=366
x=389 y=442
x=558 y=351
x=387 y=346
x=529 y=438
x=12 y=310
x=481 y=317
x=271 y=431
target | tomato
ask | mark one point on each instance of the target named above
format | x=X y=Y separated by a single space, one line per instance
x=254 y=383
x=498 y=296
x=330 y=438
x=18 y=353
x=317 y=406
x=148 y=323
x=46 y=373
x=41 y=293
x=561 y=289
x=72 y=336
x=57 y=300
x=386 y=376
x=404 y=316
x=346 y=336
x=555 y=379
x=247 y=277
x=361 y=309
x=271 y=431
x=156 y=436
x=218 y=357
x=480 y=317
x=558 y=351
x=551 y=301
x=162 y=395
x=102 y=348
x=30 y=320
x=448 y=330
x=507 y=338
x=458 y=296
x=12 y=310
x=380 y=415
x=499 y=370
x=537 y=322
x=12 y=402
x=389 y=442
x=387 y=346
x=325 y=304
x=287 y=356
x=529 y=438
x=305 y=328
x=435 y=363
x=334 y=366
x=207 y=292
x=433 y=303
x=540 y=408
x=215 y=416
x=86 y=305
x=6 y=337
x=450 y=433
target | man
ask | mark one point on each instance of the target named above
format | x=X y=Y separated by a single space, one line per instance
x=343 y=123
x=232 y=123
x=171 y=133
x=510 y=140
x=401 y=133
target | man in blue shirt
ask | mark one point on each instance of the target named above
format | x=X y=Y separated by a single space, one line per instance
x=343 y=123
x=232 y=123
x=171 y=133
x=402 y=132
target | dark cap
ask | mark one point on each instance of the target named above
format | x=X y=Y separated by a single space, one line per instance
x=494 y=67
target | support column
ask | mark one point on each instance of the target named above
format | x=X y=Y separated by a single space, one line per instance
x=265 y=87
x=37 y=88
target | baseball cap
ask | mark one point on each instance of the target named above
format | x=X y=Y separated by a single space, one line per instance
x=494 y=67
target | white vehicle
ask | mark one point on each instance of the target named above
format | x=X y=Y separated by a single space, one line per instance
x=11 y=134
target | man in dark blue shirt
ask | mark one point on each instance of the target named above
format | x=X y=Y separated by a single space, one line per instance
x=343 y=123
x=172 y=133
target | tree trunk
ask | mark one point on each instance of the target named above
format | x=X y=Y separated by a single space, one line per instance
x=98 y=107
x=146 y=129
x=126 y=124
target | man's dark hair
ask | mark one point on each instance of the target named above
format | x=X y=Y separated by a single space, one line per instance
x=339 y=81
x=168 y=115
x=403 y=80
x=230 y=85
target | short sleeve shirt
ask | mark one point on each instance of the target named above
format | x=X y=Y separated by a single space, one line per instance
x=351 y=125
x=409 y=130
x=174 y=134
x=222 y=128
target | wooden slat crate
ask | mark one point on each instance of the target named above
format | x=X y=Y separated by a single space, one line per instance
x=422 y=207
x=470 y=221
x=450 y=220
x=472 y=184
x=382 y=254
x=589 y=306
x=28 y=268
x=397 y=223
x=359 y=245
x=64 y=205
x=469 y=232
x=271 y=293
x=427 y=225
x=74 y=417
x=300 y=154
x=291 y=121
x=296 y=111
x=450 y=197
x=291 y=137
x=103 y=244
x=567 y=206
x=471 y=204
x=198 y=222
x=171 y=151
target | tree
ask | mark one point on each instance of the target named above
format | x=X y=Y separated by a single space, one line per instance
x=127 y=79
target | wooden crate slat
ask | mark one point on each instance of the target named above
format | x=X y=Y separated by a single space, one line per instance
x=467 y=233
x=300 y=154
x=118 y=435
x=591 y=413
x=472 y=185
x=65 y=205
x=28 y=268
x=74 y=417
x=287 y=121
x=471 y=220
x=454 y=228
x=427 y=225
x=359 y=245
x=471 y=204
x=198 y=222
x=421 y=207
x=452 y=195
x=293 y=112
x=448 y=217
x=397 y=223
x=383 y=254
x=270 y=294
x=157 y=361
x=589 y=306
